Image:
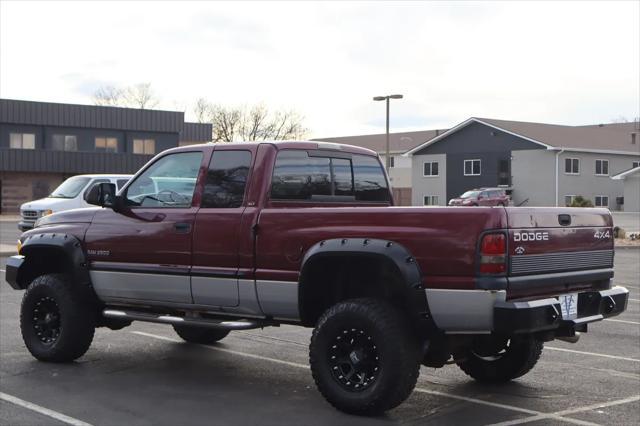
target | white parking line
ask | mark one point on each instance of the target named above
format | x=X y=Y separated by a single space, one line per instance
x=553 y=348
x=569 y=411
x=229 y=351
x=44 y=411
x=420 y=390
x=635 y=300
x=624 y=322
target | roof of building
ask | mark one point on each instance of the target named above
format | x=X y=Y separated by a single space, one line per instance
x=626 y=173
x=398 y=142
x=606 y=138
x=101 y=117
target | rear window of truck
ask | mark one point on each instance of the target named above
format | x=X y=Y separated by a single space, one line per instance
x=301 y=177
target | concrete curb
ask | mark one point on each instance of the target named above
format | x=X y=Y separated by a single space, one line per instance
x=9 y=218
x=7 y=250
x=627 y=247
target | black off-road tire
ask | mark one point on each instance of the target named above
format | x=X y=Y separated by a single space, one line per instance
x=201 y=335
x=392 y=347
x=67 y=332
x=518 y=359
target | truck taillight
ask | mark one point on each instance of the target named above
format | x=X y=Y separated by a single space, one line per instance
x=493 y=254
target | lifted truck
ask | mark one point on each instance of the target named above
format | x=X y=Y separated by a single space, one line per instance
x=215 y=238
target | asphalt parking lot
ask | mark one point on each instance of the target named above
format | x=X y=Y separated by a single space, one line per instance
x=144 y=375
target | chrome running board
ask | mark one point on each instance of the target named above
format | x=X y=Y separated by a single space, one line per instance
x=244 y=324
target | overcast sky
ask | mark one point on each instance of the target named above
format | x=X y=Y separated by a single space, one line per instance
x=568 y=63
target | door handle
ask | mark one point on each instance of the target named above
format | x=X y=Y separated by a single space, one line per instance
x=182 y=227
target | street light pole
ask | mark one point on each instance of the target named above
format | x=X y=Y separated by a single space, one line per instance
x=387 y=155
x=387 y=149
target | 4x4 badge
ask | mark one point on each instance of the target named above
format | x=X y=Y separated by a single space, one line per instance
x=519 y=250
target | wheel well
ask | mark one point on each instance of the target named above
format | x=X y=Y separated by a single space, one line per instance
x=327 y=280
x=44 y=260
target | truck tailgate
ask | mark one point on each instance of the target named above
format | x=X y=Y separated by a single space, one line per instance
x=555 y=251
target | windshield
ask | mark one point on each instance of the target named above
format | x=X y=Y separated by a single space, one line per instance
x=70 y=188
x=470 y=194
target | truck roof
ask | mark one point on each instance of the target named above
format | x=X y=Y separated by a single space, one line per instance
x=285 y=145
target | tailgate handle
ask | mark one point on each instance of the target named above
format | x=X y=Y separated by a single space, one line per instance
x=564 y=219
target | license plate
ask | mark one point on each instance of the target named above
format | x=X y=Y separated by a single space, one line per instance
x=569 y=305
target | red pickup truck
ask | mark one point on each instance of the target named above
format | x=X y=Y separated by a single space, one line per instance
x=221 y=237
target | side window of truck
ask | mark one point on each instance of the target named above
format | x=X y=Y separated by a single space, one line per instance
x=226 y=179
x=370 y=182
x=120 y=183
x=298 y=176
x=169 y=182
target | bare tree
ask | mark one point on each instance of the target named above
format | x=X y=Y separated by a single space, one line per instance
x=249 y=123
x=286 y=125
x=253 y=123
x=141 y=96
x=226 y=123
x=108 y=96
x=137 y=96
x=203 y=111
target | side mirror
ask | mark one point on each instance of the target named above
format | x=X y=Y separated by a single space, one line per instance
x=102 y=194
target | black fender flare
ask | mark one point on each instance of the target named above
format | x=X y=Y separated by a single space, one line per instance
x=414 y=294
x=67 y=245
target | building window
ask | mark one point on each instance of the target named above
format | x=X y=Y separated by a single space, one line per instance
x=572 y=166
x=392 y=161
x=430 y=168
x=65 y=143
x=430 y=200
x=22 y=141
x=144 y=146
x=635 y=164
x=107 y=144
x=602 y=167
x=568 y=200
x=472 y=168
x=602 y=201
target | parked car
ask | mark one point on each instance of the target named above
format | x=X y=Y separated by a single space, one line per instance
x=222 y=237
x=70 y=194
x=482 y=197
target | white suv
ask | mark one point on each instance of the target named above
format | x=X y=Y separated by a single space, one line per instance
x=69 y=195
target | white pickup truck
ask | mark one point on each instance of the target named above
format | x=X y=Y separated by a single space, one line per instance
x=69 y=195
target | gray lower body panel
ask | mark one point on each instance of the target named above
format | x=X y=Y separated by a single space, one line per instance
x=464 y=311
x=279 y=299
x=215 y=291
x=140 y=286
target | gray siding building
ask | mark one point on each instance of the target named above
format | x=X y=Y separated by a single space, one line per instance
x=41 y=144
x=538 y=164
x=631 y=184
